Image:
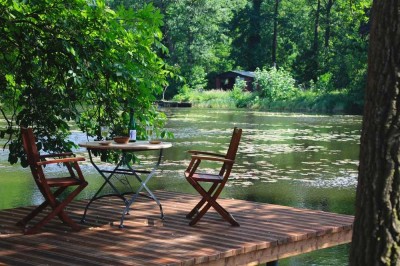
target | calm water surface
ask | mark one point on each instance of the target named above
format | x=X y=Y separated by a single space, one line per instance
x=299 y=160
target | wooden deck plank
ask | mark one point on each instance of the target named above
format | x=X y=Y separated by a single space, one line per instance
x=267 y=232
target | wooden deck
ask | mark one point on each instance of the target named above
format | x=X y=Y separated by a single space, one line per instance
x=267 y=232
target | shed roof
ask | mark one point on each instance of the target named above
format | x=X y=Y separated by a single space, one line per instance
x=242 y=73
x=245 y=73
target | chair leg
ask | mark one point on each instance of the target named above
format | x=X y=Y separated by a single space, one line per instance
x=67 y=220
x=197 y=208
x=224 y=214
x=63 y=215
x=51 y=215
x=211 y=201
x=39 y=209
x=58 y=209
x=44 y=221
x=33 y=214
x=221 y=210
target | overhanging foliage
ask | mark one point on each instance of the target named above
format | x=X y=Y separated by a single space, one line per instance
x=63 y=61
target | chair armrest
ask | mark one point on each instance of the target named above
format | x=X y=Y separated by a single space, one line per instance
x=209 y=158
x=51 y=155
x=62 y=160
x=206 y=153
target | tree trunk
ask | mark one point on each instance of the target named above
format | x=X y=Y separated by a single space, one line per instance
x=254 y=39
x=376 y=236
x=190 y=37
x=167 y=41
x=275 y=37
x=313 y=59
x=316 y=28
x=328 y=23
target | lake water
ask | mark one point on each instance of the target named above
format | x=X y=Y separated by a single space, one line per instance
x=299 y=160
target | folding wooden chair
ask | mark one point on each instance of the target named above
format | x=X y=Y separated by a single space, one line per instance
x=45 y=184
x=209 y=197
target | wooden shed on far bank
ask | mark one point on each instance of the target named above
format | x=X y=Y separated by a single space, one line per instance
x=226 y=80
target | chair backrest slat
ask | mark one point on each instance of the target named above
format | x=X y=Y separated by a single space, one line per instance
x=29 y=143
x=32 y=153
x=231 y=153
x=234 y=145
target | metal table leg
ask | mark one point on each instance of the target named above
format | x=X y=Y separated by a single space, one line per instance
x=142 y=186
x=107 y=181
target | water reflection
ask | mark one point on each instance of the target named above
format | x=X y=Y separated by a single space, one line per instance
x=317 y=151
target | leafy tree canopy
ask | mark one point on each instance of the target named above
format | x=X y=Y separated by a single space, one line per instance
x=76 y=61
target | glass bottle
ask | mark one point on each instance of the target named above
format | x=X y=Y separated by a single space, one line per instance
x=132 y=127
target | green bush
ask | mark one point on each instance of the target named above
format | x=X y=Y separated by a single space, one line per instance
x=275 y=84
x=207 y=98
x=183 y=95
x=336 y=101
x=239 y=94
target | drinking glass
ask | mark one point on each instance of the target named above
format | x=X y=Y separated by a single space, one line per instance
x=104 y=131
x=149 y=132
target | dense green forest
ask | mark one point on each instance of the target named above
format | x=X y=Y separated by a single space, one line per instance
x=320 y=44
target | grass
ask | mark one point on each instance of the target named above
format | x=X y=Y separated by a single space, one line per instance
x=306 y=101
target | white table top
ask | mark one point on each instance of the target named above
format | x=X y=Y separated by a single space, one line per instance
x=131 y=146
